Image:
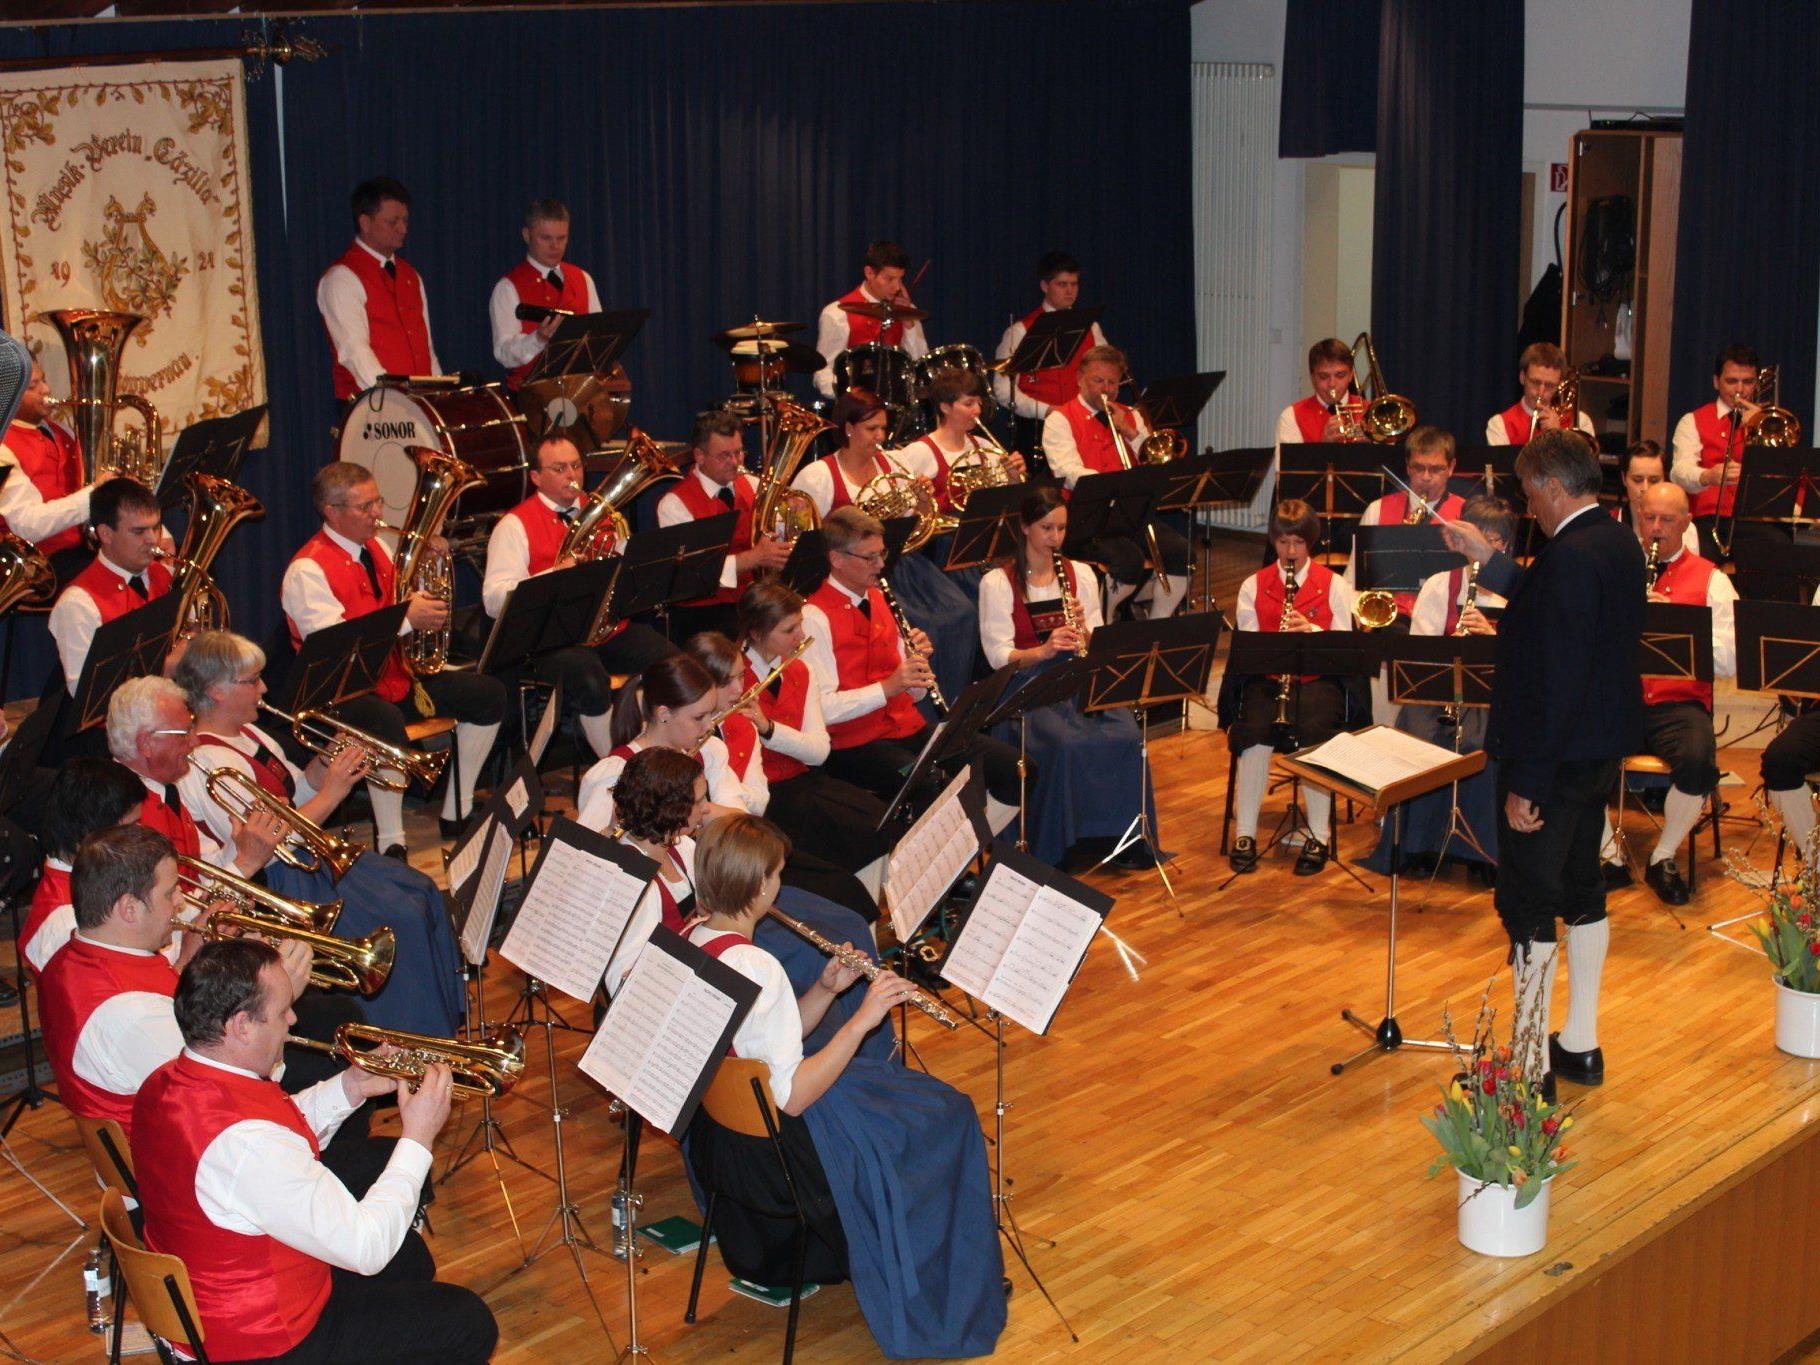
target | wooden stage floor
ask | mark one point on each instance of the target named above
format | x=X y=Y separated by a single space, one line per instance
x=1212 y=1191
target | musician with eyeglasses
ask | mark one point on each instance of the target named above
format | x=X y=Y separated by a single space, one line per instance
x=528 y=541
x=344 y=572
x=543 y=279
x=882 y=274
x=372 y=300
x=128 y=571
x=221 y=682
x=1539 y=370
x=44 y=497
x=927 y=1272
x=285 y=1261
x=1428 y=465
x=1317 y=417
x=1708 y=445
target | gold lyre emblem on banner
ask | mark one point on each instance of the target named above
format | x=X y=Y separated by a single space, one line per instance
x=133 y=273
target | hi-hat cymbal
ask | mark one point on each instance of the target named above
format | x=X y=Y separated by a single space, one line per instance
x=753 y=330
x=885 y=312
x=796 y=357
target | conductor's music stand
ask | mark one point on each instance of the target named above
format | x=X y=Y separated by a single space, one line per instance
x=1339 y=479
x=216 y=446
x=671 y=564
x=129 y=646
x=1447 y=671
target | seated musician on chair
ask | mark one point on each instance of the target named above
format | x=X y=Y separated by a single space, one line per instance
x=126 y=572
x=881 y=281
x=1314 y=709
x=1539 y=370
x=1678 y=714
x=925 y=1263
x=1640 y=469
x=285 y=1261
x=1428 y=463
x=42 y=496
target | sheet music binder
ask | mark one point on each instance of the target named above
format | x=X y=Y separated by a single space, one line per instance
x=590 y=948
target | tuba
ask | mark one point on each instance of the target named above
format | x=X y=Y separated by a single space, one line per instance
x=26 y=576
x=601 y=527
x=308 y=848
x=216 y=507
x=441 y=479
x=92 y=341
x=1387 y=417
x=780 y=511
x=489 y=1067
x=1772 y=424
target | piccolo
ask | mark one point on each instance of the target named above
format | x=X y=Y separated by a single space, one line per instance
x=852 y=957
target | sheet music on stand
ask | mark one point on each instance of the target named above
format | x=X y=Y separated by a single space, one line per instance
x=667 y=1029
x=1377 y=756
x=1023 y=937
x=546 y=725
x=577 y=903
x=939 y=847
x=482 y=905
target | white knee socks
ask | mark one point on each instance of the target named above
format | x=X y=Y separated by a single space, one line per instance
x=1586 y=945
x=1164 y=601
x=1680 y=813
x=598 y=729
x=388 y=815
x=1252 y=778
x=472 y=745
x=1796 y=808
x=1319 y=802
x=1534 y=971
x=1116 y=593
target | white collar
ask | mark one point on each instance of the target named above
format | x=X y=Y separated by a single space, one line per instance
x=352 y=547
x=57 y=865
x=115 y=947
x=196 y=1056
x=869 y=294
x=543 y=271
x=153 y=786
x=383 y=260
x=116 y=570
x=1571 y=516
x=708 y=485
x=848 y=593
x=757 y=662
x=555 y=507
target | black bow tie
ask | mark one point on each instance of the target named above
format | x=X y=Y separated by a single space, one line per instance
x=865 y=606
x=391 y=268
x=554 y=280
x=1103 y=418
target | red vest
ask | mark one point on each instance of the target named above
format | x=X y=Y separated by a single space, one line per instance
x=861 y=329
x=1517 y=423
x=178 y=826
x=398 y=325
x=1030 y=631
x=544 y=531
x=839 y=496
x=1311 y=416
x=109 y=592
x=740 y=736
x=1311 y=599
x=942 y=499
x=1716 y=435
x=786 y=708
x=1684 y=579
x=1455 y=577
x=349 y=582
x=54 y=465
x=702 y=505
x=52 y=891
x=1392 y=508
x=534 y=287
x=672 y=915
x=256 y=1296
x=77 y=981
x=1059 y=385
x=1093 y=438
x=867 y=649
x=269 y=770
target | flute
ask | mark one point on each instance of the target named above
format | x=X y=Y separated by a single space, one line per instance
x=852 y=957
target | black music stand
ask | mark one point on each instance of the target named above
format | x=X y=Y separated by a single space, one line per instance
x=129 y=646
x=1177 y=402
x=1491 y=471
x=1450 y=671
x=1399 y=559
x=1216 y=478
x=1778 y=648
x=559 y=392
x=1771 y=569
x=990 y=529
x=1777 y=486
x=1141 y=664
x=1339 y=479
x=671 y=564
x=1051 y=341
x=547 y=612
x=1120 y=503
x=947 y=742
x=807 y=568
x=340 y=663
x=1061 y=680
x=217 y=446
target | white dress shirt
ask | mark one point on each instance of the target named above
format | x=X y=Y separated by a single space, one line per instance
x=307 y=597
x=342 y=300
x=817 y=480
x=1429 y=616
x=1339 y=600
x=1684 y=450
x=127 y=1036
x=1058 y=441
x=838 y=704
x=772 y=1032
x=512 y=345
x=26 y=513
x=998 y=629
x=831 y=340
x=1720 y=597
x=673 y=511
x=807 y=743
x=508 y=559
x=1002 y=387
x=75 y=618
x=230 y=751
x=258 y=1178
x=54 y=930
x=1496 y=435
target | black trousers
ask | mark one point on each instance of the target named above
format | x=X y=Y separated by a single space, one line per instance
x=586 y=674
x=1793 y=754
x=1680 y=733
x=1127 y=557
x=401 y=1316
x=834 y=820
x=881 y=766
x=471 y=698
x=1553 y=873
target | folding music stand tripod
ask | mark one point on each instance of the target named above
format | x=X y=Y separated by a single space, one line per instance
x=1338 y=479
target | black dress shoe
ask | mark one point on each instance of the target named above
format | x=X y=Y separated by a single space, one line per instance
x=1547 y=1089
x=1666 y=881
x=449 y=829
x=397 y=851
x=1582 y=1068
x=1617 y=876
x=1244 y=855
x=1312 y=858
x=1137 y=858
x=1485 y=874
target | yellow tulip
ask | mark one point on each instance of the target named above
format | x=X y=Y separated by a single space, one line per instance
x=1567 y=1123
x=1516 y=1151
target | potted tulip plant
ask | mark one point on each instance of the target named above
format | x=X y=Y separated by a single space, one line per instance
x=1789 y=933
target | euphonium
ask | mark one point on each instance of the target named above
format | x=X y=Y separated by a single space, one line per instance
x=780 y=511
x=750 y=695
x=601 y=526
x=936 y=699
x=324 y=734
x=420 y=567
x=489 y=1067
x=1387 y=417
x=308 y=847
x=854 y=959
x=92 y=342
x=26 y=575
x=201 y=885
x=1070 y=616
x=216 y=507
x=1771 y=424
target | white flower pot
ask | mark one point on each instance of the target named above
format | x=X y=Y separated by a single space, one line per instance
x=1491 y=1223
x=1797 y=1021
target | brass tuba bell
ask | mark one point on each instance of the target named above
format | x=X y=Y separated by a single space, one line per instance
x=92 y=342
x=780 y=511
x=26 y=576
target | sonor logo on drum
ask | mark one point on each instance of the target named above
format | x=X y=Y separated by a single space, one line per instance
x=389 y=431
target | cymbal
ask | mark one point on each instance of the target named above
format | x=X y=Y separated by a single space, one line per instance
x=885 y=312
x=797 y=358
x=755 y=329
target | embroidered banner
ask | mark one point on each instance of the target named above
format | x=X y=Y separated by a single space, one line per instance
x=126 y=190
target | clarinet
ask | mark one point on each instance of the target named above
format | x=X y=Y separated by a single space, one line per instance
x=1070 y=617
x=936 y=699
x=1450 y=713
x=1284 y=727
x=859 y=962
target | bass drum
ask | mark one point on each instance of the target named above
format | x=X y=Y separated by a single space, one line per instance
x=885 y=370
x=478 y=425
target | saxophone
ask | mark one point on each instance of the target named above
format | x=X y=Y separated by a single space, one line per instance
x=1070 y=616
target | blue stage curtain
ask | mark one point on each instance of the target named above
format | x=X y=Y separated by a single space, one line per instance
x=1330 y=78
x=718 y=162
x=1747 y=247
x=1444 y=269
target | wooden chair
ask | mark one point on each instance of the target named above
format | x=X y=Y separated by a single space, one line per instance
x=105 y=1142
x=1655 y=767
x=739 y=1100
x=159 y=1284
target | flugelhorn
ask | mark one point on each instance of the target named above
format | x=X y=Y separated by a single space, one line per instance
x=360 y=964
x=308 y=847
x=202 y=885
x=327 y=735
x=489 y=1067
x=851 y=957
x=750 y=695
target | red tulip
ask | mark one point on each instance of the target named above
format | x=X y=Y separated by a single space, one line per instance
x=1551 y=1126
x=1489 y=1086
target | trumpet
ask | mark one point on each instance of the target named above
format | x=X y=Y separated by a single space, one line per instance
x=361 y=964
x=750 y=695
x=936 y=698
x=1070 y=617
x=202 y=885
x=324 y=734
x=489 y=1067
x=854 y=959
x=308 y=847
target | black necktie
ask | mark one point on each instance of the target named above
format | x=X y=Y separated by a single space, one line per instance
x=1103 y=418
x=137 y=584
x=566 y=515
x=776 y=686
x=554 y=278
x=726 y=497
x=366 y=562
x=391 y=268
x=170 y=799
x=865 y=606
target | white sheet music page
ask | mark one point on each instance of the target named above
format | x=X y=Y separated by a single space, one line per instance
x=658 y=1037
x=573 y=916
x=990 y=927
x=1039 y=962
x=484 y=908
x=929 y=858
x=466 y=860
x=546 y=725
x=1377 y=757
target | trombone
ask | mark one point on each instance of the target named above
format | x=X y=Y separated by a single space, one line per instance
x=489 y=1067
x=308 y=847
x=1130 y=461
x=1387 y=417
x=327 y=735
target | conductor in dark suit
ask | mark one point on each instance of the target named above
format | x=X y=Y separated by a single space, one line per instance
x=1566 y=707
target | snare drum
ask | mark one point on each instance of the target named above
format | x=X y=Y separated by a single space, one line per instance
x=478 y=425
x=885 y=370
